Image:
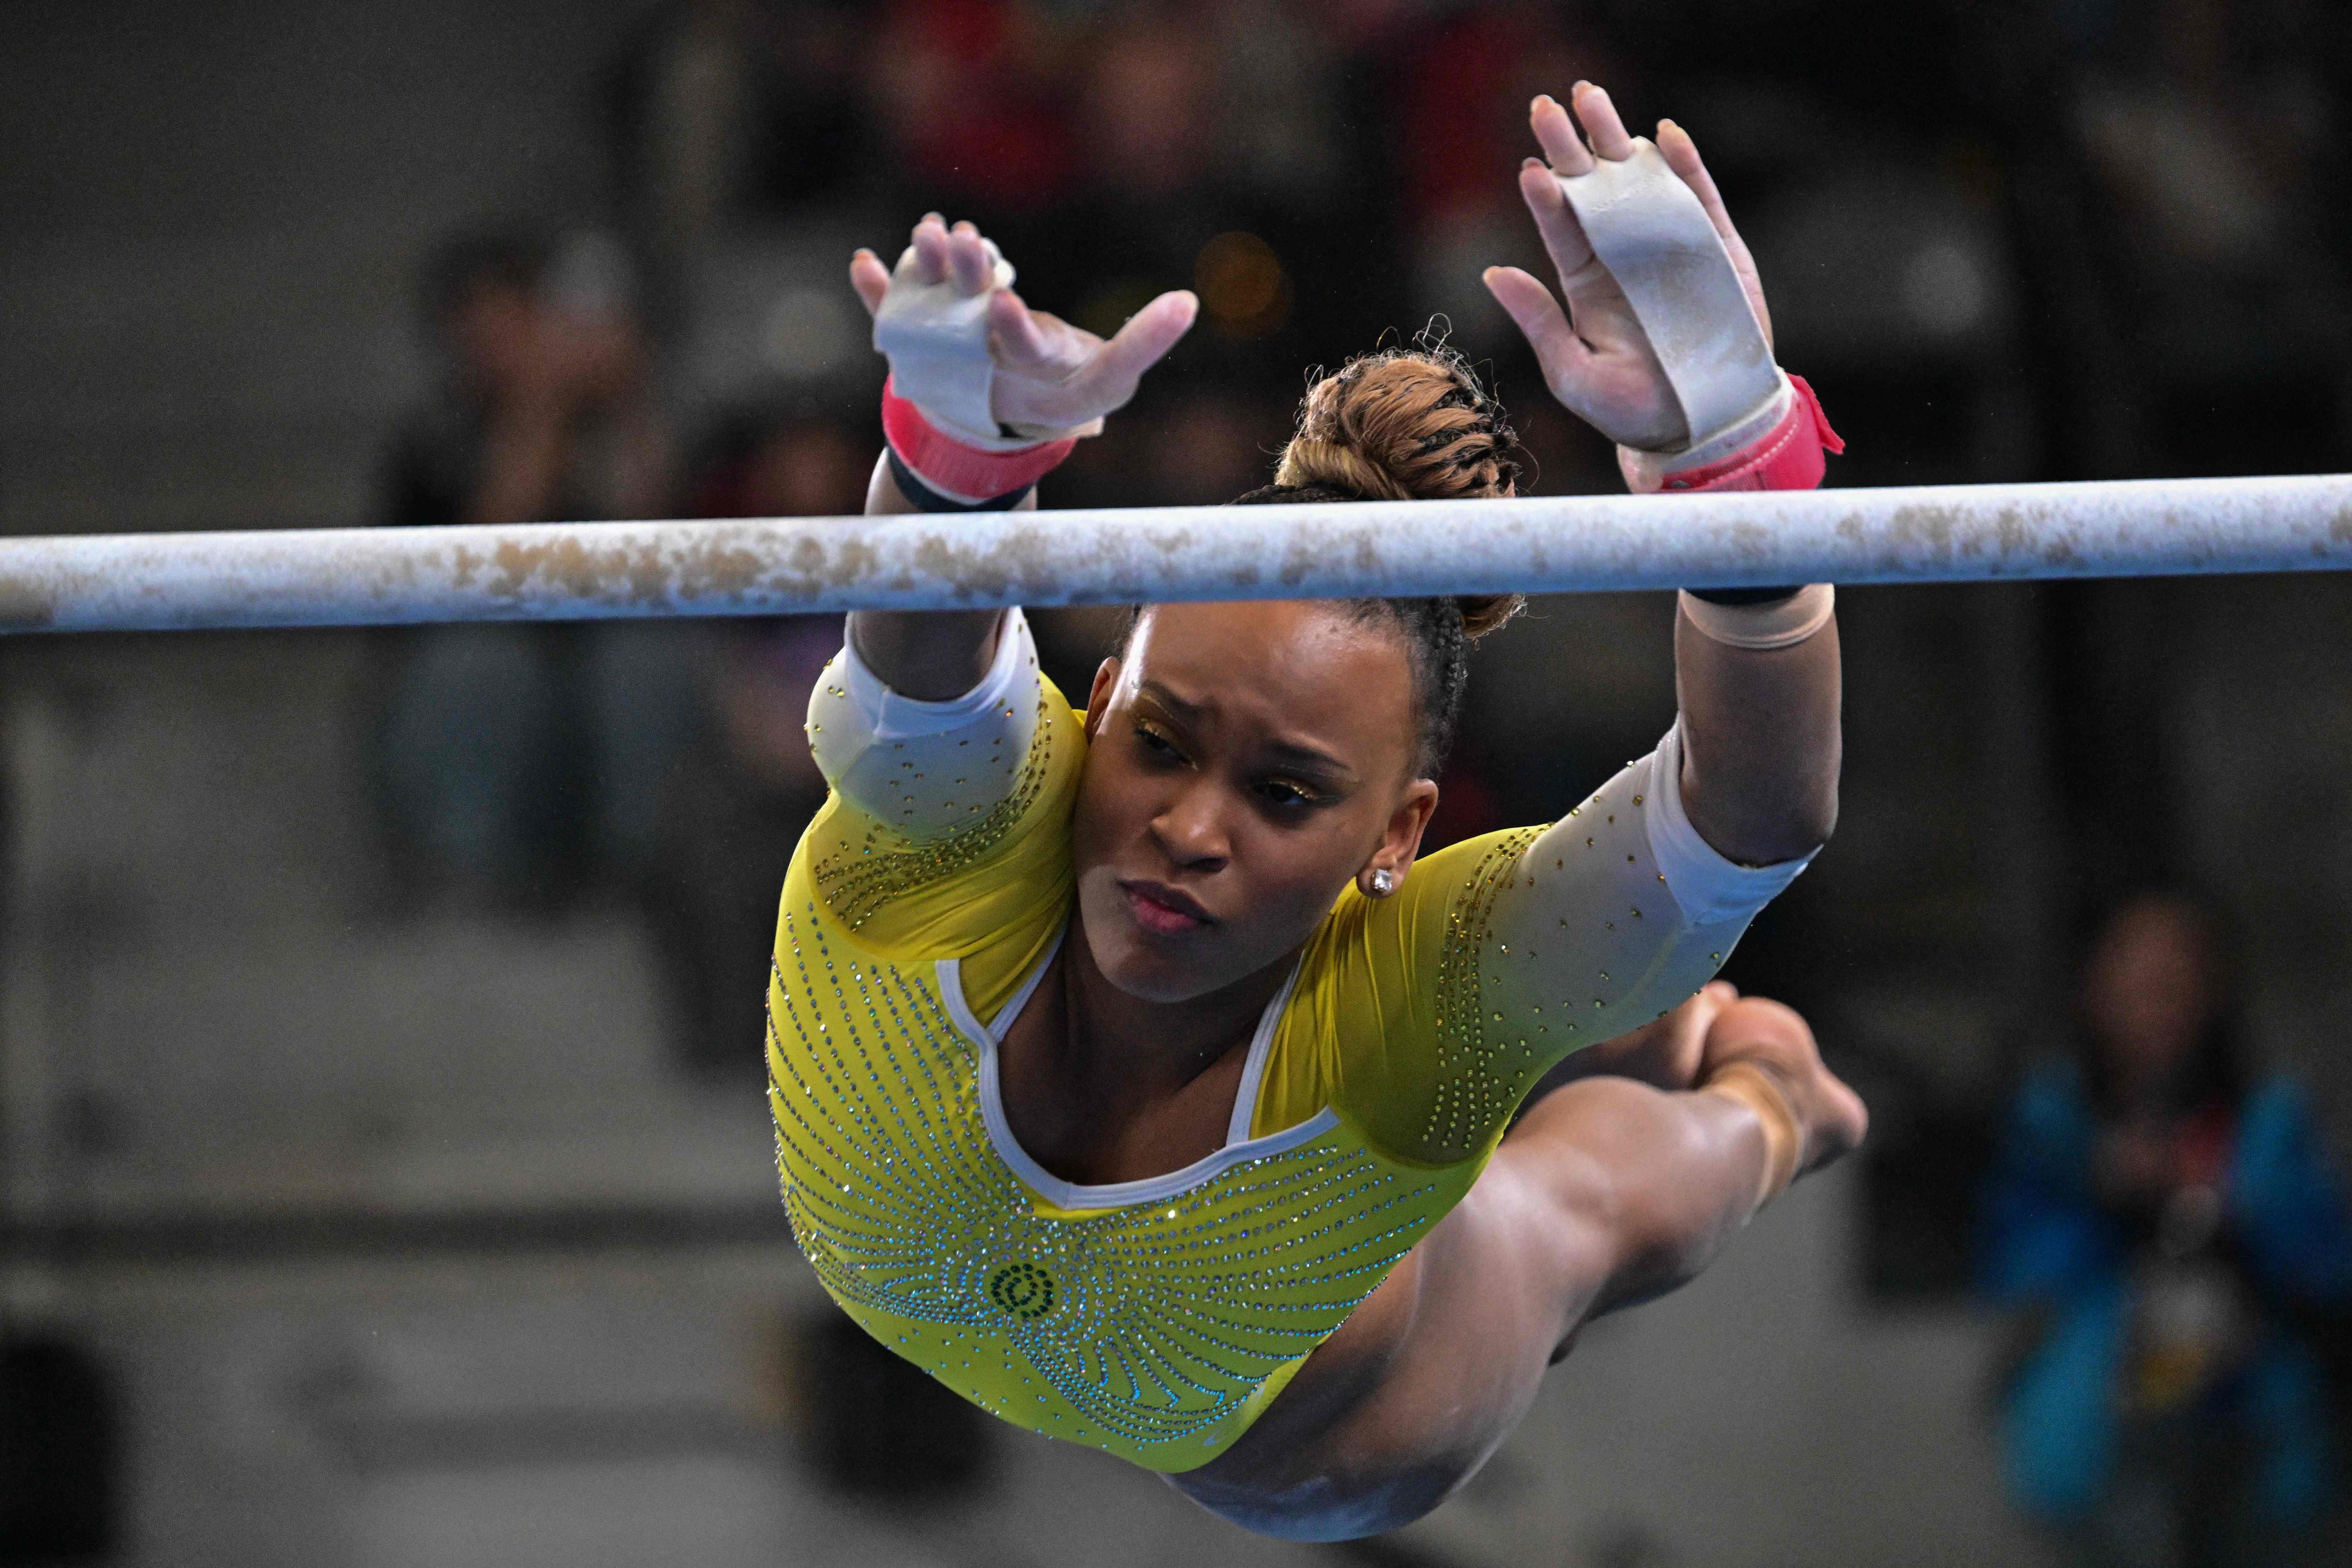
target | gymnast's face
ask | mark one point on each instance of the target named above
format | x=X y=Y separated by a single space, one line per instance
x=1249 y=761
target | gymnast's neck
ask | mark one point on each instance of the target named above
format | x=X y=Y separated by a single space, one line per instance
x=1103 y=1085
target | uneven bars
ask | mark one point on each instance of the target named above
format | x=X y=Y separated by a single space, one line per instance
x=1544 y=545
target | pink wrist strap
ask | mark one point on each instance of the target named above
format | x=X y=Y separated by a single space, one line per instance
x=954 y=470
x=1789 y=457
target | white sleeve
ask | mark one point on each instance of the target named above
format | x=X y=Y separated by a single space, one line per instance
x=1615 y=913
x=1709 y=888
x=926 y=768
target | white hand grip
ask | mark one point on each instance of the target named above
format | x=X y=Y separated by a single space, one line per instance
x=1648 y=230
x=937 y=341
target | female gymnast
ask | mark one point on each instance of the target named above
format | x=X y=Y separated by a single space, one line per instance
x=1130 y=1073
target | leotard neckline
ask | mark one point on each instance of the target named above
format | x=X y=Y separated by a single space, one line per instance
x=1077 y=1195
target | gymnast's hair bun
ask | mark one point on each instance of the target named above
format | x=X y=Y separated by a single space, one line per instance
x=1408 y=424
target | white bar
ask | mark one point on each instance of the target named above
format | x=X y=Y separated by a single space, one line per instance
x=1549 y=545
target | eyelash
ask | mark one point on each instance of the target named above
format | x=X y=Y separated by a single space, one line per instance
x=1158 y=745
x=1299 y=796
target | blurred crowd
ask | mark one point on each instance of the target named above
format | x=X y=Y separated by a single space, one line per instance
x=2020 y=239
x=2174 y=1245
x=2014 y=241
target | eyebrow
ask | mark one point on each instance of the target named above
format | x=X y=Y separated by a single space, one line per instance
x=1167 y=699
x=1294 y=753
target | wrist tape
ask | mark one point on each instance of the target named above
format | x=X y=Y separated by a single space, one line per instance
x=925 y=499
x=1785 y=454
x=1776 y=623
x=1777 y=447
x=1756 y=1089
x=971 y=478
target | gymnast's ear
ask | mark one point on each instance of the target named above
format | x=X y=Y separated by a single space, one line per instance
x=1407 y=821
x=1105 y=678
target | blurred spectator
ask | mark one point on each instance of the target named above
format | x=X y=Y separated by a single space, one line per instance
x=968 y=92
x=511 y=759
x=2164 y=1226
x=2207 y=123
x=1280 y=120
x=1177 y=188
x=1202 y=448
x=543 y=407
x=1157 y=208
x=733 y=812
x=1463 y=84
x=728 y=110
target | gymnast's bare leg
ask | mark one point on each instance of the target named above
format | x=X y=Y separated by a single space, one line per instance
x=1609 y=1192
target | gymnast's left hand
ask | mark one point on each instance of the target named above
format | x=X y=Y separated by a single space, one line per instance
x=1050 y=375
x=1595 y=356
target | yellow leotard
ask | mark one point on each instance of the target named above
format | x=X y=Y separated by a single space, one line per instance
x=1155 y=1318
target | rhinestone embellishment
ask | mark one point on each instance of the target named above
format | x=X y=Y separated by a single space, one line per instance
x=1024 y=1289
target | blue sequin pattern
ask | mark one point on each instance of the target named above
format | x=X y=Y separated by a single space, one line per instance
x=1153 y=1331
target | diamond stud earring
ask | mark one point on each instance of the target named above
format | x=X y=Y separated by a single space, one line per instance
x=1383 y=882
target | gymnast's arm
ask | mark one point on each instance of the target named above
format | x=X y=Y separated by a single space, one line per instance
x=931 y=656
x=1759 y=725
x=1761 y=742
x=1047 y=377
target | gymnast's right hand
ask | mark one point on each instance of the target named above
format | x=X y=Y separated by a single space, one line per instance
x=1596 y=355
x=1049 y=376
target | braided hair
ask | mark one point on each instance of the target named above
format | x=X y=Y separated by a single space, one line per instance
x=1409 y=424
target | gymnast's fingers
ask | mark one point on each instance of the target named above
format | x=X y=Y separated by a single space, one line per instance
x=1600 y=123
x=1845 y=1126
x=1681 y=154
x=1026 y=343
x=1555 y=133
x=967 y=259
x=870 y=278
x=930 y=243
x=1559 y=350
x=1563 y=236
x=1147 y=335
